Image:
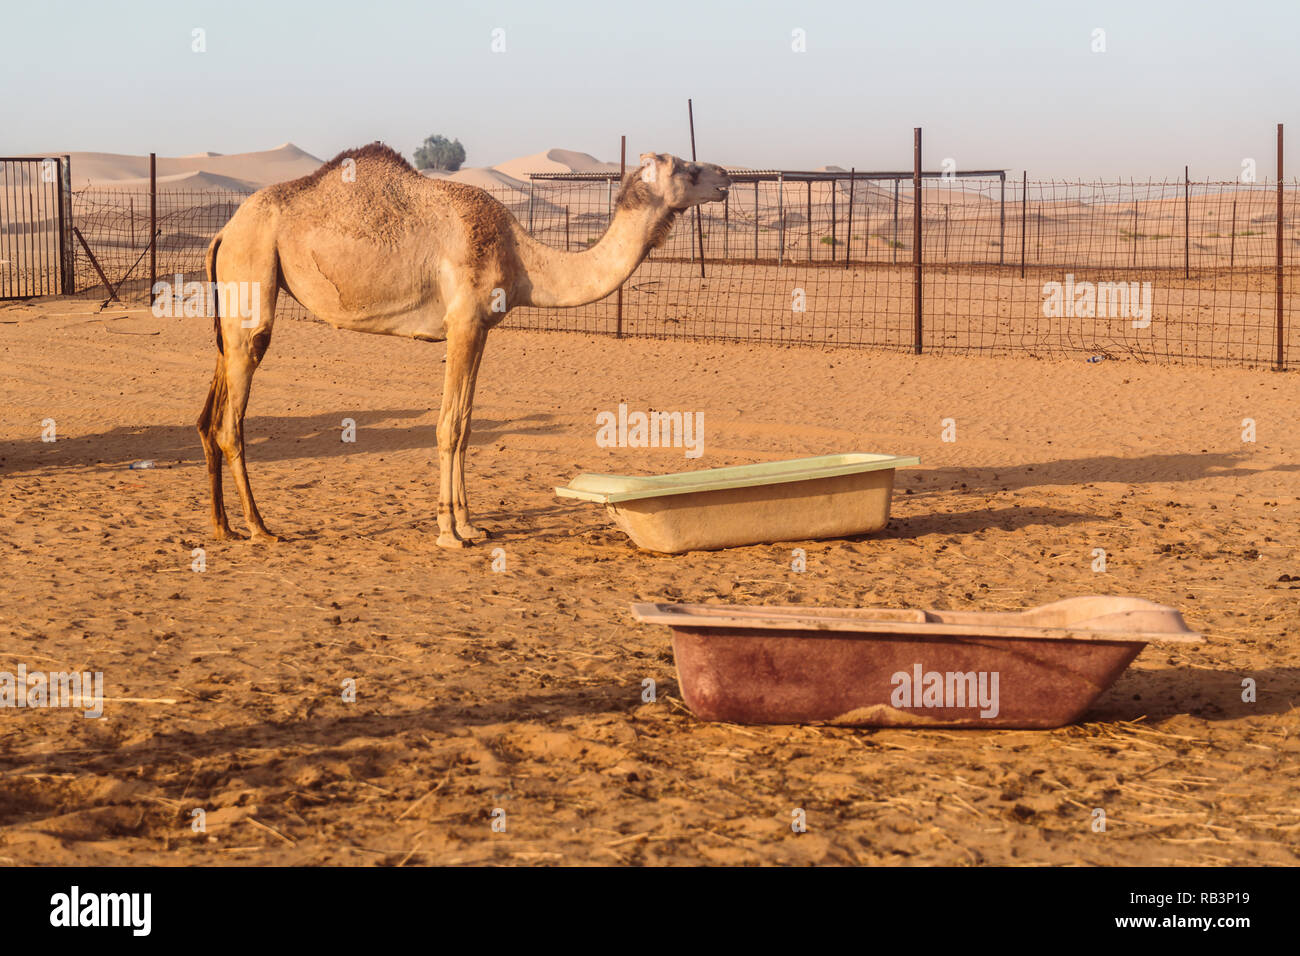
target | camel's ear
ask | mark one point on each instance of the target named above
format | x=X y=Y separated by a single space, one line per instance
x=649 y=163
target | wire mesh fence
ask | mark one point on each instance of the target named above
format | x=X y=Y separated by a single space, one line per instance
x=115 y=224
x=1158 y=271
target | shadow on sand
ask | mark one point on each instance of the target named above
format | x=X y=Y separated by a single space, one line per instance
x=1141 y=469
x=268 y=438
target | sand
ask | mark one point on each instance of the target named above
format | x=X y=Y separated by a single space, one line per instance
x=246 y=170
x=520 y=690
x=253 y=170
x=555 y=161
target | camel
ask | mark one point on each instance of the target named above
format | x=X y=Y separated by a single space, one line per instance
x=368 y=244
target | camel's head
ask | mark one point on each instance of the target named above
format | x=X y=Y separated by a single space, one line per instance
x=681 y=184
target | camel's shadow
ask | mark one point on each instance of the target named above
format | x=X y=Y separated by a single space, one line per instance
x=268 y=438
x=1141 y=469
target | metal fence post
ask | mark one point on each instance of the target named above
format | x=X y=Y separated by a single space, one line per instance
x=622 y=171
x=1002 y=215
x=1187 y=224
x=756 y=220
x=153 y=224
x=916 y=239
x=1281 y=328
x=532 y=186
x=699 y=219
x=848 y=226
x=68 y=278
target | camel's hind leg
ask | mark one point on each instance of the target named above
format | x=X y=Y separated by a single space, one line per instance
x=209 y=421
x=230 y=436
x=245 y=344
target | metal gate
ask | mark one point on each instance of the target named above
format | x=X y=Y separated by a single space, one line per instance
x=35 y=227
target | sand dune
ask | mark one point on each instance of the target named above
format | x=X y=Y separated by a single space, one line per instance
x=554 y=161
x=245 y=171
x=236 y=170
x=197 y=179
x=487 y=178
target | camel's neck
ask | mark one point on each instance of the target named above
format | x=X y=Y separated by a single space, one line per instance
x=552 y=278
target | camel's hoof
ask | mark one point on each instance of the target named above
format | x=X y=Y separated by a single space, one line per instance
x=471 y=533
x=262 y=535
x=446 y=540
x=227 y=534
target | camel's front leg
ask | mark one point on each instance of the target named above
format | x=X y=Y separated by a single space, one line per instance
x=465 y=342
x=460 y=498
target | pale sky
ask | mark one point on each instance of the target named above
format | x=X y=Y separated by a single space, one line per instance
x=994 y=84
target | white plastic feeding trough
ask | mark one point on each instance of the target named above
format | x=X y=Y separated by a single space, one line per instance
x=832 y=496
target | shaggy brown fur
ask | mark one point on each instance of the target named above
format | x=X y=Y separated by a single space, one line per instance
x=487 y=223
x=374 y=152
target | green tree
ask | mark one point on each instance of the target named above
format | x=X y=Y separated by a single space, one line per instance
x=439 y=152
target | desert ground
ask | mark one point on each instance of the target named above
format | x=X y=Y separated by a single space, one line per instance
x=520 y=690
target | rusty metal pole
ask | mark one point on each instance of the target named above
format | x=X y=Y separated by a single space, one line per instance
x=153 y=224
x=1024 y=216
x=848 y=226
x=755 y=220
x=64 y=251
x=5 y=254
x=1281 y=330
x=622 y=171
x=1187 y=225
x=916 y=239
x=112 y=293
x=72 y=249
x=699 y=220
x=1002 y=216
x=566 y=229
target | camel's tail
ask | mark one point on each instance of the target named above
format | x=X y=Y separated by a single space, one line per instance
x=212 y=287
